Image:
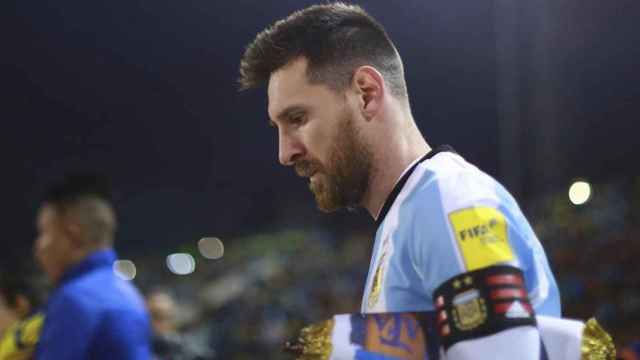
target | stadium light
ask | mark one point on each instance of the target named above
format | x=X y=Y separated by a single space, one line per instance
x=181 y=263
x=211 y=248
x=579 y=192
x=125 y=269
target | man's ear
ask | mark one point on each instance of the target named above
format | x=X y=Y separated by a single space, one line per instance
x=73 y=231
x=370 y=87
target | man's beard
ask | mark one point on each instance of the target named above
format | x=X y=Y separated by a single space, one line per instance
x=345 y=179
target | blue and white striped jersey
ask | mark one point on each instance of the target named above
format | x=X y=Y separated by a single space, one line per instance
x=446 y=217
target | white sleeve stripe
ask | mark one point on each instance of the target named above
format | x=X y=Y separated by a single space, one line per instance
x=452 y=235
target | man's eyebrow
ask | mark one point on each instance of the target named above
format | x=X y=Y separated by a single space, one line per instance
x=289 y=110
x=287 y=113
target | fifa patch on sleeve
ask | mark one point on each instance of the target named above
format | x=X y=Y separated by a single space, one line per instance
x=481 y=235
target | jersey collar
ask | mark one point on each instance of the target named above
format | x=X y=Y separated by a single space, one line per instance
x=403 y=179
x=98 y=259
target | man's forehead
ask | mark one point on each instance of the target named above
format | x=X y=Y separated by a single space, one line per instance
x=286 y=85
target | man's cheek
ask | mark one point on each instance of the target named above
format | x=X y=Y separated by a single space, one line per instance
x=42 y=248
x=44 y=252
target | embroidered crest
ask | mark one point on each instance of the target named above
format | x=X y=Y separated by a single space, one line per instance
x=469 y=310
x=378 y=277
x=376 y=285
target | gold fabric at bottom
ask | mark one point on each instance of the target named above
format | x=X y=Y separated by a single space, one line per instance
x=316 y=341
x=597 y=344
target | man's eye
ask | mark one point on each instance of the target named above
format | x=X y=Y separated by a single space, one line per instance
x=297 y=120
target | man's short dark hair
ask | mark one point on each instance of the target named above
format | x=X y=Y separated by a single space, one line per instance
x=335 y=38
x=23 y=280
x=88 y=197
x=73 y=187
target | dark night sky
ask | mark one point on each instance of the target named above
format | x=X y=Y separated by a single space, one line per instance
x=145 y=91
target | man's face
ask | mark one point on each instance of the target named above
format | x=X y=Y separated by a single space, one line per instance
x=53 y=244
x=318 y=135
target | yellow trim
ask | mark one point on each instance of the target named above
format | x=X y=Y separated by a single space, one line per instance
x=597 y=344
x=316 y=340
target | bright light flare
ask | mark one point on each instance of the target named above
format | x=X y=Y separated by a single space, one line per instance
x=125 y=269
x=579 y=192
x=211 y=248
x=181 y=263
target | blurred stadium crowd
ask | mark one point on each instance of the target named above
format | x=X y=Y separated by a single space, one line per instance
x=267 y=286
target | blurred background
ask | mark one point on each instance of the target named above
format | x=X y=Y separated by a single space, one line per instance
x=543 y=95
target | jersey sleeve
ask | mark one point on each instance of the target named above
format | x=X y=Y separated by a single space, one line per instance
x=461 y=223
x=471 y=248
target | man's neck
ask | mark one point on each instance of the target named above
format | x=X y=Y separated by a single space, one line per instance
x=78 y=256
x=389 y=169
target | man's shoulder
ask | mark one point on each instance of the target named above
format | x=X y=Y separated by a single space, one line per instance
x=443 y=186
x=98 y=291
x=447 y=182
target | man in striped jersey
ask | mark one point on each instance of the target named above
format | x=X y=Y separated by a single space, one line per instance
x=450 y=238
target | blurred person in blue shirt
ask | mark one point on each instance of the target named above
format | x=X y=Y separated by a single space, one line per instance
x=91 y=313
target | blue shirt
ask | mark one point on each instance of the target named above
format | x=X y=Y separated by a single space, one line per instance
x=93 y=314
x=446 y=217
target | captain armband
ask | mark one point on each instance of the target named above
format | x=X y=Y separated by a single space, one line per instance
x=482 y=302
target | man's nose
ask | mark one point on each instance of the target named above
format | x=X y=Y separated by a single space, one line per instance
x=289 y=149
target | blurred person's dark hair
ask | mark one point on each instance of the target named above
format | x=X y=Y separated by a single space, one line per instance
x=74 y=186
x=335 y=38
x=23 y=281
x=88 y=197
